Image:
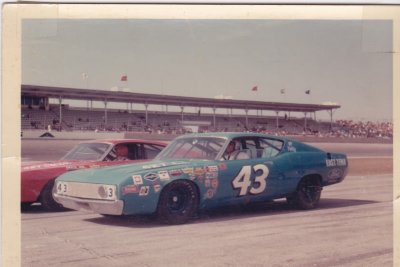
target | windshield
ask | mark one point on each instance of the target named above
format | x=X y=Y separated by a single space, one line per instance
x=88 y=151
x=193 y=148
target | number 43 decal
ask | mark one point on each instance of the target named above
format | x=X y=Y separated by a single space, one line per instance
x=242 y=180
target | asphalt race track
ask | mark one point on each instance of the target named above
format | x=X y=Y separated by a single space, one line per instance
x=353 y=226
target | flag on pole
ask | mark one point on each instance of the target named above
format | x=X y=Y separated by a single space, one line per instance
x=282 y=91
x=308 y=92
x=254 y=89
x=124 y=78
x=85 y=76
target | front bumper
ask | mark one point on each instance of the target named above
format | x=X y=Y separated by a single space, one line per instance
x=109 y=207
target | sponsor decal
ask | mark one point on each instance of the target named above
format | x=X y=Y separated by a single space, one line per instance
x=175 y=163
x=152 y=166
x=71 y=167
x=189 y=171
x=46 y=165
x=137 y=179
x=207 y=183
x=214 y=183
x=336 y=162
x=77 y=167
x=212 y=168
x=291 y=148
x=175 y=172
x=130 y=189
x=163 y=175
x=151 y=176
x=83 y=167
x=335 y=174
x=144 y=191
x=157 y=188
x=199 y=171
x=211 y=175
x=222 y=166
x=210 y=193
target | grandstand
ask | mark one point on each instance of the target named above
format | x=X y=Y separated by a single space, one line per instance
x=187 y=114
x=37 y=112
x=122 y=121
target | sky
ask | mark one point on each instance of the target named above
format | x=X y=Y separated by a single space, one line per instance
x=347 y=62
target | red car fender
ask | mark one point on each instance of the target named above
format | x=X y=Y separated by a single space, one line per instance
x=32 y=182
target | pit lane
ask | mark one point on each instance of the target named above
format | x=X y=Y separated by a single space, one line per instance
x=352 y=227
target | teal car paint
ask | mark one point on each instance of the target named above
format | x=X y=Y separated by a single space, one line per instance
x=199 y=171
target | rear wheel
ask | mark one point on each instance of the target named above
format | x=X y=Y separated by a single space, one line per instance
x=307 y=194
x=178 y=202
x=47 y=200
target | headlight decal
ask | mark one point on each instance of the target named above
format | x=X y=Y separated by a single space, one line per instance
x=62 y=188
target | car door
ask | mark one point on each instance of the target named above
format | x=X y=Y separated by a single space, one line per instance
x=261 y=177
x=241 y=180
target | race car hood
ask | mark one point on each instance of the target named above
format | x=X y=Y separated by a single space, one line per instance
x=117 y=174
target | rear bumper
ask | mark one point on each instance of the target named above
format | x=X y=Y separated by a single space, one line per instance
x=98 y=206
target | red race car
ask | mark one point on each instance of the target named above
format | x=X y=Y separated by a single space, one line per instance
x=37 y=178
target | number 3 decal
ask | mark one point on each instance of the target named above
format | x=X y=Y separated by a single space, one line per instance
x=242 y=180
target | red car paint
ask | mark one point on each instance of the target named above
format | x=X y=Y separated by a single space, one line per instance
x=35 y=175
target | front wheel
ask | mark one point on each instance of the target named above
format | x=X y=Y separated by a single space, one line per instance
x=307 y=194
x=47 y=200
x=178 y=202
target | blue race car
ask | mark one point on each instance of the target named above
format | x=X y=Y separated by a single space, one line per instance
x=200 y=171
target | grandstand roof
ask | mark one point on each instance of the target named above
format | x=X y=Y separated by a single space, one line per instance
x=128 y=97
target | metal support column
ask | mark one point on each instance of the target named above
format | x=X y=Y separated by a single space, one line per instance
x=147 y=115
x=247 y=118
x=105 y=113
x=305 y=121
x=215 y=126
x=182 y=108
x=60 y=116
x=277 y=119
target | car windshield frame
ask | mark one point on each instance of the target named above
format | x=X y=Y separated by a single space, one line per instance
x=98 y=153
x=189 y=145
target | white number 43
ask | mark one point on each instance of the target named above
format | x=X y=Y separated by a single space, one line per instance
x=242 y=180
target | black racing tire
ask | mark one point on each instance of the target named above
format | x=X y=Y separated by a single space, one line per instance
x=47 y=200
x=307 y=195
x=25 y=205
x=178 y=202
